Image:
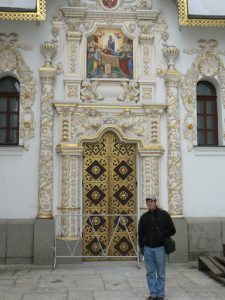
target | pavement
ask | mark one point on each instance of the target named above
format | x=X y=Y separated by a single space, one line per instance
x=103 y=281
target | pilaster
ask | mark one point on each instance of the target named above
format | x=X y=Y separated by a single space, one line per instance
x=70 y=192
x=151 y=157
x=172 y=80
x=74 y=37
x=47 y=77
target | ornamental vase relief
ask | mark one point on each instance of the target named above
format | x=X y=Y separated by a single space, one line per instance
x=12 y=62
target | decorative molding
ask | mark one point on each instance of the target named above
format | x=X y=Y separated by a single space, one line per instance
x=209 y=151
x=184 y=19
x=11 y=151
x=38 y=15
x=11 y=61
x=207 y=63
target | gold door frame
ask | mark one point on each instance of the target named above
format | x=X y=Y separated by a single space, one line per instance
x=109 y=190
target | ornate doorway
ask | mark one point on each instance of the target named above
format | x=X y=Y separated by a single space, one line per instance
x=109 y=190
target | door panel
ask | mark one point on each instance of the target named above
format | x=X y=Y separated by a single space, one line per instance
x=109 y=188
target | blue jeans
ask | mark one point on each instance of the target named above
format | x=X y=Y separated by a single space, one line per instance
x=155 y=263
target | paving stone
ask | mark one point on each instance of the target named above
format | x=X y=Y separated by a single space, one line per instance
x=34 y=296
x=103 y=281
x=10 y=296
x=79 y=295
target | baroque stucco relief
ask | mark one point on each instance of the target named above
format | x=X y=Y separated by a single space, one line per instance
x=207 y=65
x=94 y=105
x=12 y=63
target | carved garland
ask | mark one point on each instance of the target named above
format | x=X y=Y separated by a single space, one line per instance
x=11 y=61
x=89 y=122
x=206 y=64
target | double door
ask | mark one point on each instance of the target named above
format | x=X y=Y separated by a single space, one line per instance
x=109 y=198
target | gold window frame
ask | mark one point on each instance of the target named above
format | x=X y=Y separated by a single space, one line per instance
x=38 y=15
x=185 y=20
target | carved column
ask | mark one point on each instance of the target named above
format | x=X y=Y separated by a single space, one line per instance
x=172 y=79
x=45 y=188
x=74 y=37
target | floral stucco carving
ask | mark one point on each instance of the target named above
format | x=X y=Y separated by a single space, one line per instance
x=89 y=91
x=90 y=121
x=109 y=5
x=12 y=62
x=130 y=92
x=207 y=63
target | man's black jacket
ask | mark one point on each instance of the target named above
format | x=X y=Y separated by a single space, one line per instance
x=153 y=227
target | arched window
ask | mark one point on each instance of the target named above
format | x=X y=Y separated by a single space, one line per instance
x=9 y=111
x=207 y=121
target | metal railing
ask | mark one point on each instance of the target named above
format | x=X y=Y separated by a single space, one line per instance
x=80 y=221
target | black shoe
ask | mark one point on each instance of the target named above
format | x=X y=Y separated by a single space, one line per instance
x=160 y=298
x=152 y=298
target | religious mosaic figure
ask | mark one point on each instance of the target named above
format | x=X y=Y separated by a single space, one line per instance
x=109 y=54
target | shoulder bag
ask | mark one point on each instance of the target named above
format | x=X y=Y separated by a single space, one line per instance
x=169 y=244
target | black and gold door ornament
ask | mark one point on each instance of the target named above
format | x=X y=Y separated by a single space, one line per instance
x=109 y=196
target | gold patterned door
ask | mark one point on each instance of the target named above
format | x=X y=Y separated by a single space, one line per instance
x=109 y=197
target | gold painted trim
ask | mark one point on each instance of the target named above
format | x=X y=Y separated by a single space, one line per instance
x=110 y=106
x=70 y=147
x=38 y=15
x=184 y=19
x=68 y=238
x=116 y=130
x=68 y=208
x=45 y=216
x=177 y=216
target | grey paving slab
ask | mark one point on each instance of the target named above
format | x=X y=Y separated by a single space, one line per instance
x=103 y=281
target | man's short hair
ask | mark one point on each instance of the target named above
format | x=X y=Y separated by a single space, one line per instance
x=151 y=197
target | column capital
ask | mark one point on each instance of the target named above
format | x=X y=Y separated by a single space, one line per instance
x=48 y=74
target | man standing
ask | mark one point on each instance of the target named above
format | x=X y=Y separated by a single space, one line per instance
x=153 y=227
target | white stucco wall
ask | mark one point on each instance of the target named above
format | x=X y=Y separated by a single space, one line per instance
x=203 y=175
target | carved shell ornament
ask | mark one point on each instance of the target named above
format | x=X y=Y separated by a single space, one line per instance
x=8 y=60
x=209 y=65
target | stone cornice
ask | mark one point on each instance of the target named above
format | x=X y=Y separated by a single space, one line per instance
x=76 y=12
x=153 y=150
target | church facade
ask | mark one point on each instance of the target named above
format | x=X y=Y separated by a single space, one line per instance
x=102 y=103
